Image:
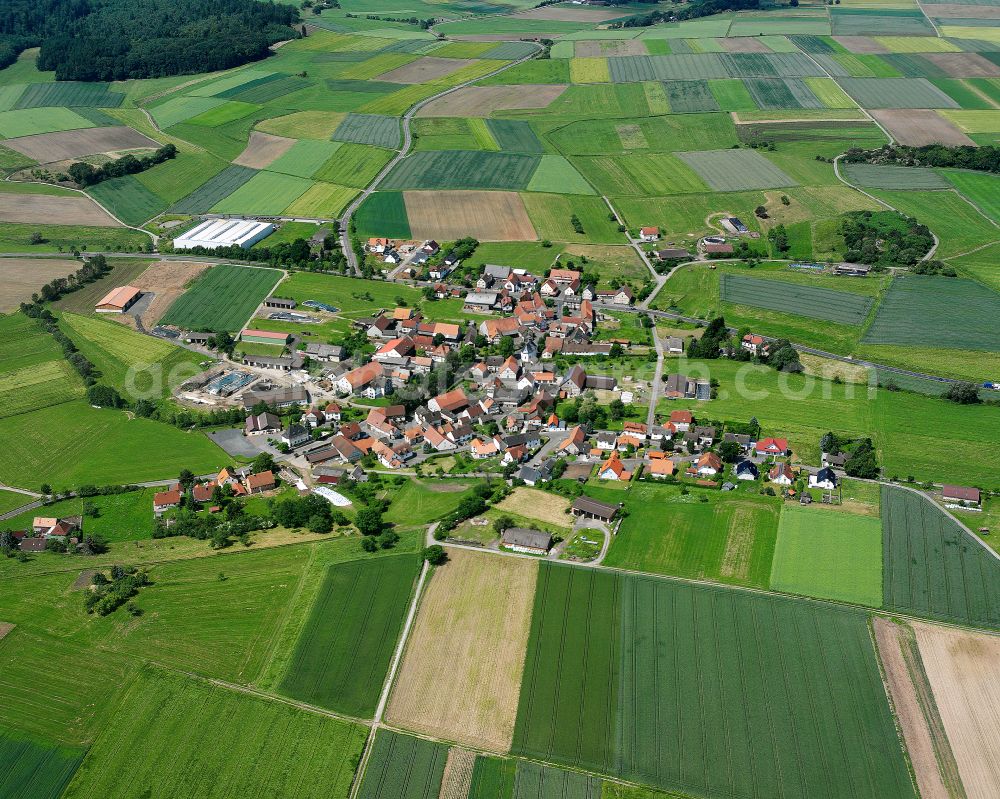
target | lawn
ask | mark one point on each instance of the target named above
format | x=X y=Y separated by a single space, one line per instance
x=120 y=517
x=828 y=554
x=421 y=502
x=727 y=539
x=177 y=724
x=73 y=444
x=343 y=652
x=403 y=767
x=933 y=567
x=223 y=298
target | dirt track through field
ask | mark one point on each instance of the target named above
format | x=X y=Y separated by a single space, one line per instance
x=461 y=673
x=912 y=701
x=44 y=209
x=263 y=149
x=917 y=127
x=486 y=215
x=22 y=277
x=482 y=101
x=964 y=672
x=48 y=147
x=5 y=628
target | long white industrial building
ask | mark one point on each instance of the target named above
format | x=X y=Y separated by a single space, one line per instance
x=224 y=233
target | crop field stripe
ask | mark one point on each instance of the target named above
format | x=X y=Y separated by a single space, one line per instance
x=934 y=568
x=381 y=131
x=403 y=767
x=384 y=214
x=515 y=136
x=816 y=303
x=446 y=169
x=128 y=199
x=878 y=176
x=70 y=94
x=343 y=652
x=217 y=188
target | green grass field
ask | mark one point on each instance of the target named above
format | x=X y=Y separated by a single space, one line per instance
x=266 y=193
x=343 y=652
x=492 y=778
x=37 y=383
x=642 y=174
x=557 y=175
x=403 y=767
x=828 y=554
x=128 y=199
x=933 y=567
x=937 y=312
x=28 y=122
x=305 y=157
x=182 y=757
x=551 y=216
x=728 y=539
x=422 y=502
x=381 y=131
x=72 y=444
x=353 y=165
x=213 y=190
x=223 y=298
x=353 y=296
x=383 y=214
x=981 y=188
x=120 y=517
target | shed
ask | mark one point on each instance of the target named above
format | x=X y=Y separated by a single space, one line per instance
x=532 y=542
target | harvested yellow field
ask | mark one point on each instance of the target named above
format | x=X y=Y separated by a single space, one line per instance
x=263 y=149
x=461 y=674
x=487 y=215
x=536 y=504
x=964 y=673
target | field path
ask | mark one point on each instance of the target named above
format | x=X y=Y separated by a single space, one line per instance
x=344 y=223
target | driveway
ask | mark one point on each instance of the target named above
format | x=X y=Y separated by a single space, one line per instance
x=241 y=446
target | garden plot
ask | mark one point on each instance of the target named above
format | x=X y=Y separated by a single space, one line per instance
x=425 y=69
x=919 y=127
x=964 y=673
x=842 y=307
x=937 y=312
x=877 y=176
x=486 y=215
x=262 y=149
x=933 y=567
x=736 y=170
x=462 y=169
x=45 y=209
x=483 y=101
x=48 y=147
x=896 y=93
x=473 y=624
x=382 y=131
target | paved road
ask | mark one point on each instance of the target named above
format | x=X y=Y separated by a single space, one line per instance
x=657 y=378
x=345 y=221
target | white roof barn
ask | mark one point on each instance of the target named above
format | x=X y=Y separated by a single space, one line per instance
x=224 y=233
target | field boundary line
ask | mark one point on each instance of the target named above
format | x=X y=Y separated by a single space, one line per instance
x=267 y=695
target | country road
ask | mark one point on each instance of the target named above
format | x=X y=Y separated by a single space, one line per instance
x=657 y=379
x=344 y=223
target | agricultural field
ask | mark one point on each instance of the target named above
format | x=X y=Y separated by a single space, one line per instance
x=486 y=215
x=842 y=307
x=728 y=539
x=223 y=298
x=736 y=170
x=462 y=170
x=189 y=715
x=342 y=654
x=35 y=769
x=686 y=727
x=403 y=767
x=828 y=554
x=933 y=567
x=473 y=624
x=950 y=313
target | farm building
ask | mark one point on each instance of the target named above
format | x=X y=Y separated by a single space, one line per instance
x=118 y=300
x=531 y=542
x=592 y=509
x=224 y=233
x=961 y=494
x=280 y=302
x=649 y=233
x=264 y=337
x=852 y=270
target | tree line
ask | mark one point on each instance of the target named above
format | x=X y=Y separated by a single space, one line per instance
x=84 y=174
x=982 y=159
x=123 y=39
x=699 y=8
